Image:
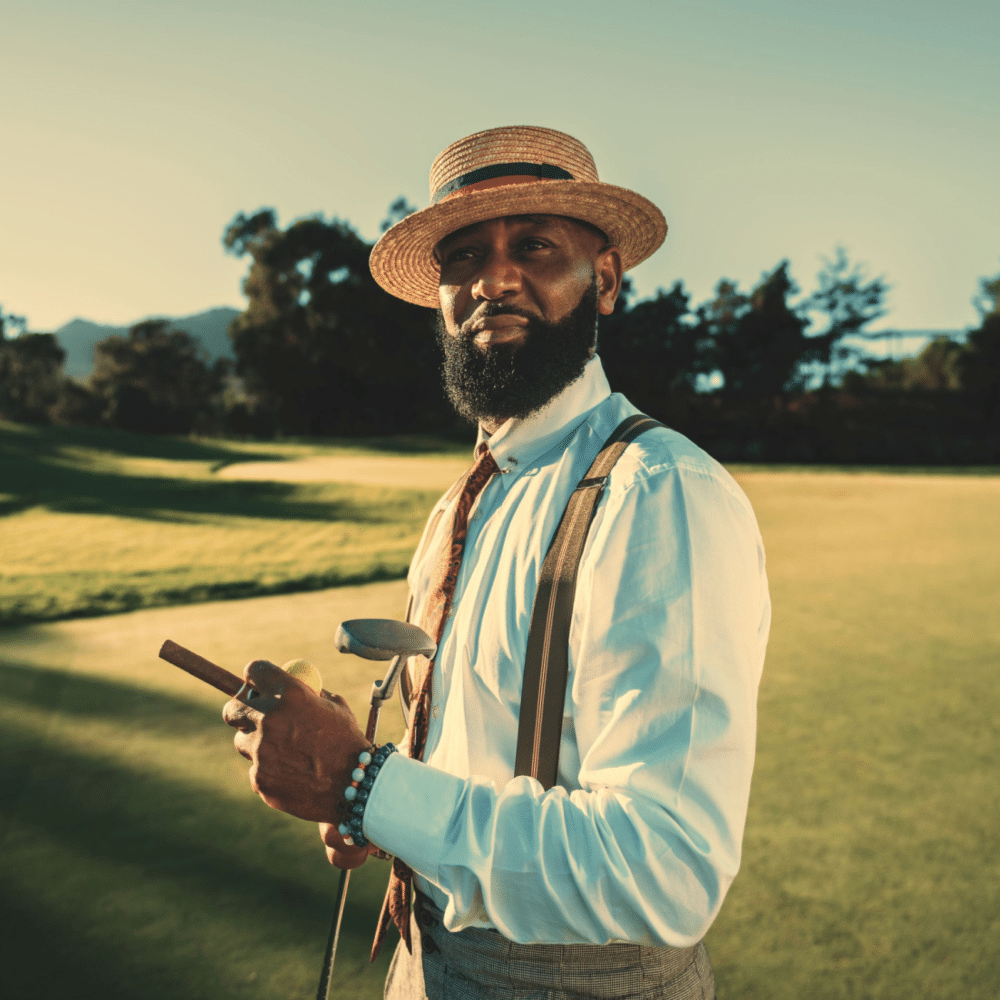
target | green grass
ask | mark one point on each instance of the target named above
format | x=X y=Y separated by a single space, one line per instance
x=100 y=521
x=870 y=860
x=137 y=864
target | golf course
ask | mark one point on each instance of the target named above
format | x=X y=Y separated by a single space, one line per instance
x=138 y=865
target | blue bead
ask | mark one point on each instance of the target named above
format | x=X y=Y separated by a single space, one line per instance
x=359 y=809
x=350 y=792
x=373 y=769
x=364 y=757
x=344 y=830
x=362 y=795
x=357 y=774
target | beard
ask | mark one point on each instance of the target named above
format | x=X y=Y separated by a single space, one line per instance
x=516 y=380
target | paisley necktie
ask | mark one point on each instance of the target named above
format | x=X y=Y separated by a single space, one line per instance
x=432 y=620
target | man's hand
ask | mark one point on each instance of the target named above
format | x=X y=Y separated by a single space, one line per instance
x=338 y=852
x=301 y=747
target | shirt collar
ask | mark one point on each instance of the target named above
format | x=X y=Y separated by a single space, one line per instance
x=519 y=443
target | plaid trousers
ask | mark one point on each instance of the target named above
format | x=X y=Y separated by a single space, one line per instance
x=477 y=964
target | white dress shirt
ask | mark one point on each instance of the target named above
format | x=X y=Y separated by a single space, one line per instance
x=641 y=838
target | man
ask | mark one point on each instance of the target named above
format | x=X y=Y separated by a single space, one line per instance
x=605 y=884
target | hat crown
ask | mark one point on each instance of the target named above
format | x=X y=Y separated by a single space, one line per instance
x=512 y=144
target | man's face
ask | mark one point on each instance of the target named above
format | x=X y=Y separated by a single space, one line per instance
x=520 y=298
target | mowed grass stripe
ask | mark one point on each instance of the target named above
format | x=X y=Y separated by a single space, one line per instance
x=94 y=525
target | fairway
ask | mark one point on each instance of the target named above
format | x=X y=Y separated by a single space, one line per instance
x=97 y=521
x=137 y=864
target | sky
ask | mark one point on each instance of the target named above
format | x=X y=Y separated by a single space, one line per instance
x=135 y=130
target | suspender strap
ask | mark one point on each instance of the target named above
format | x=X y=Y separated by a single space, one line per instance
x=546 y=667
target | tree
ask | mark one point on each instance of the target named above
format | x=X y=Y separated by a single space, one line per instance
x=9 y=323
x=987 y=301
x=761 y=343
x=937 y=368
x=30 y=374
x=398 y=211
x=849 y=303
x=652 y=351
x=156 y=380
x=321 y=346
x=980 y=365
x=756 y=341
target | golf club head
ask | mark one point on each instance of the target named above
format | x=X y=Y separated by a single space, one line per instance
x=382 y=639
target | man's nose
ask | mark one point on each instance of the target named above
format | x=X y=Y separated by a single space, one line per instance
x=499 y=278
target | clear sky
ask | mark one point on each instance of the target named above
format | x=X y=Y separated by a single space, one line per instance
x=134 y=130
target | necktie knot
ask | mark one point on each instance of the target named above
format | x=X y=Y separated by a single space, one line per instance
x=484 y=467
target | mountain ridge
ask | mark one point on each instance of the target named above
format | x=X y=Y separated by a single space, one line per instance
x=209 y=328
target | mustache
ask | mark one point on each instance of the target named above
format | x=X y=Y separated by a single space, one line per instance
x=488 y=311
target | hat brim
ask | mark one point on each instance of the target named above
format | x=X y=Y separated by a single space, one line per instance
x=403 y=263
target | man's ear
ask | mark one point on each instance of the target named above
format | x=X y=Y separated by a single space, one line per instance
x=608 y=271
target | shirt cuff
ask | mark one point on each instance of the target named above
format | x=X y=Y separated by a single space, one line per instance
x=409 y=811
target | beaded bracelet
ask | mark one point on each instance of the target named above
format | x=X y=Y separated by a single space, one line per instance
x=357 y=792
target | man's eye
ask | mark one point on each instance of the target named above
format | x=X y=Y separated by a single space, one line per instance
x=460 y=253
x=533 y=244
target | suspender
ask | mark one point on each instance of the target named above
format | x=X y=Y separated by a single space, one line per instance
x=546 y=668
x=543 y=690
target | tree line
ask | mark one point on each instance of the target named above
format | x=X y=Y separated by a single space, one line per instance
x=321 y=350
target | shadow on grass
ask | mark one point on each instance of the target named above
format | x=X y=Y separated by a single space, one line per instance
x=33 y=473
x=51 y=440
x=117 y=596
x=193 y=874
x=92 y=697
x=44 y=956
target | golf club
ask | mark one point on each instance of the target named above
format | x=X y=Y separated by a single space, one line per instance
x=372 y=639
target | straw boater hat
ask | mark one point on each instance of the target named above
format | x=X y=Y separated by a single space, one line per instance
x=516 y=170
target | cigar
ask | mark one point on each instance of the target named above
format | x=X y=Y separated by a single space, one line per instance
x=201 y=668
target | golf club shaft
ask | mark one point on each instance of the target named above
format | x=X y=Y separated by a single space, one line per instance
x=329 y=957
x=326 y=976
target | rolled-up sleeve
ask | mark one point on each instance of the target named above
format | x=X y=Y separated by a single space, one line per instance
x=667 y=646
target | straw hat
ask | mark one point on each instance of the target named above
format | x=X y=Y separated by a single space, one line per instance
x=516 y=170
